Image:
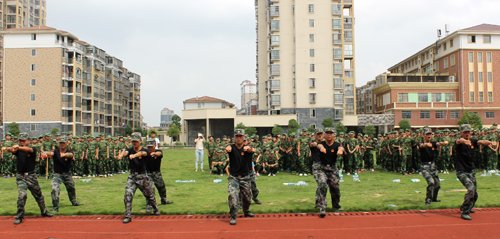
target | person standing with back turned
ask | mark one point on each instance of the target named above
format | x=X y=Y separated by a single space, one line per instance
x=240 y=161
x=199 y=151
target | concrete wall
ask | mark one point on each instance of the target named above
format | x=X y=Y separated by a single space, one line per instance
x=41 y=128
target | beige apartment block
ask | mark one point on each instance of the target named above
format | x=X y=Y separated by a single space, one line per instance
x=305 y=59
x=54 y=80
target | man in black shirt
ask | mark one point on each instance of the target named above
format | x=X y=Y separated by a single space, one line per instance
x=464 y=164
x=240 y=175
x=26 y=177
x=428 y=167
x=153 y=166
x=138 y=177
x=316 y=160
x=328 y=177
x=63 y=158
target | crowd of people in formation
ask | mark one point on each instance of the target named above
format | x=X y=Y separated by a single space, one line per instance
x=95 y=156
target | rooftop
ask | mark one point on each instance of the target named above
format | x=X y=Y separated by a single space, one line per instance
x=206 y=99
x=483 y=27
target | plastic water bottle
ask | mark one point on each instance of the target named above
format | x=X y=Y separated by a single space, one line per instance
x=301 y=183
x=391 y=205
x=185 y=181
x=442 y=179
x=415 y=180
x=355 y=178
x=341 y=176
x=396 y=180
x=218 y=181
x=288 y=184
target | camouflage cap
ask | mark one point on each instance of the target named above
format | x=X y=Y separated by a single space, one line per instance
x=9 y=134
x=427 y=130
x=239 y=132
x=136 y=136
x=210 y=136
x=495 y=124
x=48 y=135
x=360 y=134
x=375 y=139
x=318 y=131
x=151 y=143
x=379 y=135
x=108 y=137
x=219 y=150
x=57 y=134
x=466 y=127
x=271 y=152
x=218 y=139
x=401 y=130
x=23 y=136
x=329 y=130
x=492 y=127
x=63 y=139
x=446 y=130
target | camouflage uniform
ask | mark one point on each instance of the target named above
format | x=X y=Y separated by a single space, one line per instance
x=469 y=182
x=407 y=144
x=91 y=161
x=328 y=177
x=140 y=181
x=57 y=180
x=303 y=160
x=47 y=147
x=102 y=161
x=24 y=182
x=238 y=185
x=430 y=173
x=7 y=161
x=368 y=157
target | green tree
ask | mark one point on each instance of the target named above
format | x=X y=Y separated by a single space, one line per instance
x=54 y=131
x=471 y=118
x=327 y=122
x=176 y=120
x=160 y=129
x=404 y=124
x=128 y=130
x=277 y=130
x=341 y=128
x=14 y=129
x=173 y=132
x=311 y=130
x=248 y=130
x=293 y=126
x=151 y=131
x=370 y=130
x=240 y=126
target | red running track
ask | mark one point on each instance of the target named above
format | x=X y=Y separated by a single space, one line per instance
x=400 y=224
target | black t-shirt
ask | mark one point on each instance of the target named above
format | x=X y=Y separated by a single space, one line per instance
x=427 y=153
x=315 y=153
x=154 y=163
x=26 y=162
x=240 y=162
x=62 y=165
x=137 y=164
x=331 y=153
x=464 y=160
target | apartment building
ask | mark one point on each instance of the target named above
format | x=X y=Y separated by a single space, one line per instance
x=54 y=80
x=434 y=86
x=365 y=99
x=305 y=59
x=19 y=14
x=248 y=92
x=166 y=117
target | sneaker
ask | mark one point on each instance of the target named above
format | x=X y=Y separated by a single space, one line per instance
x=233 y=221
x=466 y=216
x=305 y=174
x=300 y=175
x=322 y=213
x=18 y=221
x=157 y=213
x=127 y=220
x=274 y=174
x=269 y=175
x=258 y=174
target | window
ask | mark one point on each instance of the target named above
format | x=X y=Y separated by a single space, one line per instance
x=471 y=57
x=445 y=63
x=471 y=39
x=349 y=104
x=337 y=68
x=452 y=60
x=313 y=125
x=348 y=36
x=338 y=83
x=479 y=57
x=481 y=96
x=471 y=76
x=275 y=69
x=455 y=114
x=33 y=82
x=275 y=100
x=347 y=64
x=33 y=37
x=337 y=38
x=436 y=97
x=402 y=97
x=33 y=112
x=480 y=76
x=313 y=113
x=311 y=52
x=311 y=37
x=275 y=25
x=348 y=50
x=33 y=52
x=339 y=99
x=490 y=115
x=451 y=43
x=449 y=97
x=275 y=10
x=312 y=98
x=339 y=113
x=312 y=82
x=32 y=127
x=337 y=53
x=425 y=114
x=311 y=22
x=311 y=67
x=444 y=46
x=275 y=55
x=337 y=23
x=440 y=114
x=423 y=97
x=275 y=40
x=488 y=57
x=311 y=8
x=471 y=96
x=490 y=77
x=490 y=96
x=349 y=89
x=33 y=97
x=487 y=39
x=406 y=114
x=33 y=67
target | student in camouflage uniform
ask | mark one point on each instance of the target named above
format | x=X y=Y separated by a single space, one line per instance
x=316 y=158
x=352 y=149
x=112 y=168
x=47 y=163
x=26 y=177
x=283 y=152
x=102 y=156
x=138 y=177
x=271 y=162
x=7 y=160
x=491 y=150
x=464 y=165
x=368 y=156
x=153 y=166
x=303 y=153
x=406 y=152
x=218 y=162
x=91 y=155
x=79 y=156
x=341 y=159
x=210 y=146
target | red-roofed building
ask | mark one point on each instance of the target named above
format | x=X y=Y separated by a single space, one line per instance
x=206 y=102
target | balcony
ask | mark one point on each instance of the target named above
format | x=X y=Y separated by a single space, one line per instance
x=87 y=121
x=336 y=9
x=348 y=23
x=347 y=3
x=275 y=85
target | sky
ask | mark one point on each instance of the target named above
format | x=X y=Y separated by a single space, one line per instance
x=184 y=49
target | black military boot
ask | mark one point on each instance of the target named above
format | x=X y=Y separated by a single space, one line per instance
x=18 y=221
x=127 y=220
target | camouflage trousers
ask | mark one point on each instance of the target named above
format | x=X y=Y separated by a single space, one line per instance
x=368 y=158
x=328 y=178
x=316 y=170
x=102 y=165
x=302 y=162
x=57 y=180
x=25 y=182
x=492 y=159
x=238 y=185
x=91 y=165
x=430 y=173
x=253 y=186
x=404 y=161
x=140 y=181
x=469 y=182
x=156 y=181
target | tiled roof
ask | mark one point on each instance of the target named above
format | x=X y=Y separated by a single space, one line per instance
x=483 y=27
x=32 y=28
x=206 y=99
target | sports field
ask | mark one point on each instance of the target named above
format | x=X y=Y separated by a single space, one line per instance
x=104 y=196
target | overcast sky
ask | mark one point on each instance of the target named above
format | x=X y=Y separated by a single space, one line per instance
x=184 y=49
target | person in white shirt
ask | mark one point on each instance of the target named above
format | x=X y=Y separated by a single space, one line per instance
x=153 y=136
x=199 y=151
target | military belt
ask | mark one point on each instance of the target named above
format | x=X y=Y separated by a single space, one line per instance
x=26 y=173
x=137 y=173
x=428 y=162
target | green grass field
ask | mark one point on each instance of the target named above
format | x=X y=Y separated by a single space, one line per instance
x=374 y=193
